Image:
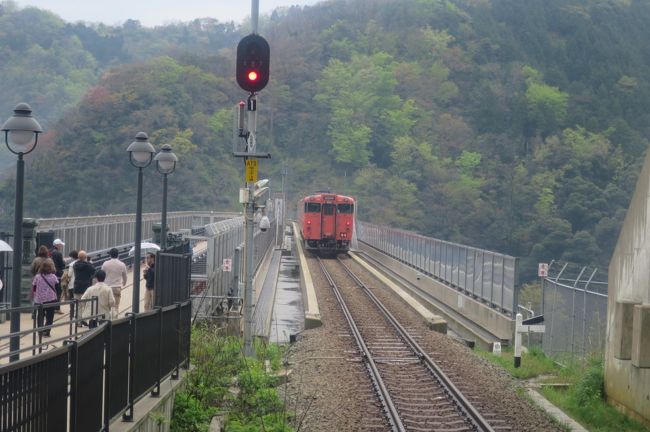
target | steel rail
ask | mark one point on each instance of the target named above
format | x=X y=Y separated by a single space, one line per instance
x=384 y=396
x=463 y=404
x=427 y=297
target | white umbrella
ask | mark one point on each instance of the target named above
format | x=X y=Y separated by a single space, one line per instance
x=144 y=247
x=4 y=247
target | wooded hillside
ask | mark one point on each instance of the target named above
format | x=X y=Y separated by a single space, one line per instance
x=511 y=125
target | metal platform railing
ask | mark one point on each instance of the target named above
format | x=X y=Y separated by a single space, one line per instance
x=98 y=376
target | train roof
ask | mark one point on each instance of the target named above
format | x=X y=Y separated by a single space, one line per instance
x=322 y=197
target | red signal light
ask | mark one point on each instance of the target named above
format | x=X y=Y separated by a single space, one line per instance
x=253 y=58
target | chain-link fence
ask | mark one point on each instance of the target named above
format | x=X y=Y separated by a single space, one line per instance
x=488 y=276
x=574 y=302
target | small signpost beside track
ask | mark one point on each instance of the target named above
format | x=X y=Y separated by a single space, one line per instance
x=531 y=325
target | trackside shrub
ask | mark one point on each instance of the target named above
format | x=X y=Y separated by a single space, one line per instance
x=223 y=379
x=591 y=385
x=190 y=414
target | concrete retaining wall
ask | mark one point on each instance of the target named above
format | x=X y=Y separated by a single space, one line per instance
x=627 y=356
x=153 y=413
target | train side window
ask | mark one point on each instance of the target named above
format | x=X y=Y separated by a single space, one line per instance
x=346 y=208
x=312 y=207
x=328 y=209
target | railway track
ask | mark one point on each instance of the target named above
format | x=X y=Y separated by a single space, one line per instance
x=415 y=393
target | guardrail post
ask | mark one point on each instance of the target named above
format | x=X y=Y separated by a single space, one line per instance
x=189 y=344
x=482 y=275
x=34 y=326
x=503 y=273
x=465 y=286
x=492 y=280
x=70 y=317
x=74 y=362
x=179 y=334
x=128 y=414
x=75 y=306
x=108 y=337
x=156 y=390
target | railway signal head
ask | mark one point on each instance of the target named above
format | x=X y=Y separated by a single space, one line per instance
x=253 y=58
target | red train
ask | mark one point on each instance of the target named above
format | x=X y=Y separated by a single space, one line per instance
x=326 y=221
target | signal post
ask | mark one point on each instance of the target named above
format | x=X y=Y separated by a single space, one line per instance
x=253 y=57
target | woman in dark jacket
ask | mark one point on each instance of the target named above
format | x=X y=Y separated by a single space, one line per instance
x=83 y=275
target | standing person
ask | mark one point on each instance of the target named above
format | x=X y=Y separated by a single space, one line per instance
x=104 y=294
x=83 y=275
x=57 y=257
x=41 y=255
x=149 y=274
x=44 y=291
x=59 y=264
x=115 y=276
x=68 y=275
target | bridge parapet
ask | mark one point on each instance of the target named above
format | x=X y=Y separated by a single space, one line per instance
x=487 y=276
x=95 y=233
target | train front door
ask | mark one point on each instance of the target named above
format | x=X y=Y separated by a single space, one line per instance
x=328 y=221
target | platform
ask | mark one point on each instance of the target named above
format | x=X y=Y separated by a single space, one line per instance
x=26 y=321
x=310 y=302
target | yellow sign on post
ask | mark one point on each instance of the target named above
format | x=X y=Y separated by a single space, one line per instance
x=251 y=170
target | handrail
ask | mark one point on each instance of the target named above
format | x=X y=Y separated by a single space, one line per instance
x=92 y=352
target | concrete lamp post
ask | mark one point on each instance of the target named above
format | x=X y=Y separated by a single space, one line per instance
x=21 y=136
x=140 y=155
x=165 y=165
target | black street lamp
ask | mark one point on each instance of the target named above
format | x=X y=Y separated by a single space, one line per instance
x=140 y=154
x=21 y=136
x=165 y=164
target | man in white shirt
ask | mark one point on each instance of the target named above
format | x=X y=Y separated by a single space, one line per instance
x=115 y=276
x=104 y=294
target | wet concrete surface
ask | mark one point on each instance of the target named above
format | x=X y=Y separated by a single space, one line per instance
x=288 y=315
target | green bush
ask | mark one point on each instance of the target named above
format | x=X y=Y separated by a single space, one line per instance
x=268 y=423
x=219 y=365
x=590 y=387
x=190 y=415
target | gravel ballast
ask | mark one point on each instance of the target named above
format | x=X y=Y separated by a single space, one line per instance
x=331 y=390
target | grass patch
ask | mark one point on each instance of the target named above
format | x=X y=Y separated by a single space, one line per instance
x=584 y=398
x=224 y=380
x=584 y=402
x=533 y=363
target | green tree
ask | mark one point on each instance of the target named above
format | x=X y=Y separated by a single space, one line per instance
x=547 y=107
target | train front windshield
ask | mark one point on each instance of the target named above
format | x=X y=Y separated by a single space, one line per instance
x=346 y=208
x=312 y=207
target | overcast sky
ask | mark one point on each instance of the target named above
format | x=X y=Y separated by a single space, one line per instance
x=155 y=12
